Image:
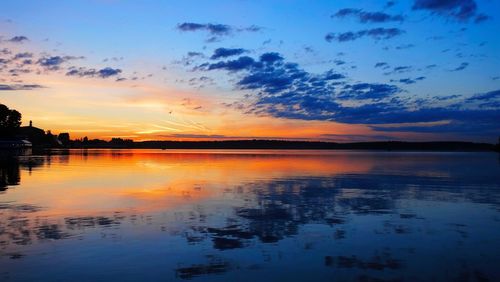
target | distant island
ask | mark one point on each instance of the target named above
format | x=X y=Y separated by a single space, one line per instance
x=14 y=136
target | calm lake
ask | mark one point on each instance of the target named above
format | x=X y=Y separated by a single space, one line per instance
x=208 y=215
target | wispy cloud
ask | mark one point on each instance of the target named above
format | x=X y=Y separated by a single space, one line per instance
x=102 y=73
x=375 y=33
x=368 y=17
x=18 y=39
x=409 y=80
x=55 y=62
x=16 y=87
x=227 y=52
x=462 y=66
x=461 y=10
x=215 y=30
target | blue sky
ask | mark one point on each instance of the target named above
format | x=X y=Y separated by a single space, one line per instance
x=413 y=70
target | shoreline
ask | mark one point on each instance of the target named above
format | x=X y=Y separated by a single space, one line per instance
x=387 y=146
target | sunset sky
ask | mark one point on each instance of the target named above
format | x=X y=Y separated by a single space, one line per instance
x=196 y=70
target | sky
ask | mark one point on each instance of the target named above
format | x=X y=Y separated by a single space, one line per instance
x=415 y=70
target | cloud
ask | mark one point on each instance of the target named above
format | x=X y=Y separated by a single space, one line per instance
x=375 y=33
x=368 y=17
x=51 y=61
x=346 y=12
x=405 y=46
x=23 y=55
x=27 y=62
x=481 y=18
x=102 y=73
x=216 y=31
x=107 y=72
x=462 y=66
x=381 y=65
x=114 y=59
x=409 y=80
x=383 y=113
x=282 y=89
x=15 y=87
x=189 y=58
x=271 y=57
x=485 y=96
x=331 y=75
x=227 y=52
x=362 y=91
x=270 y=74
x=399 y=69
x=252 y=28
x=18 y=39
x=201 y=81
x=390 y=4
x=309 y=49
x=54 y=62
x=444 y=98
x=461 y=10
x=483 y=125
x=241 y=63
x=19 y=70
x=4 y=61
x=339 y=62
x=402 y=69
x=195 y=54
x=5 y=51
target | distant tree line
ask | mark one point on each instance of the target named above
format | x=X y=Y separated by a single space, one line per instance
x=85 y=142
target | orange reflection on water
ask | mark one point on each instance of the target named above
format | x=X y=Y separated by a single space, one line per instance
x=90 y=181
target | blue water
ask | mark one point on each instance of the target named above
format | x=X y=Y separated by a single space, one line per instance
x=153 y=215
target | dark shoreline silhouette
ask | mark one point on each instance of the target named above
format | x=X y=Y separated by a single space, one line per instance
x=289 y=145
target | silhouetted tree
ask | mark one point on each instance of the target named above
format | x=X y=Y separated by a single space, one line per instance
x=64 y=138
x=10 y=120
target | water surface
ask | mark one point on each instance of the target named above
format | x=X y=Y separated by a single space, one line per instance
x=208 y=215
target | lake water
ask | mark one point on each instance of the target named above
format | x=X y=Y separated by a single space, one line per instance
x=208 y=215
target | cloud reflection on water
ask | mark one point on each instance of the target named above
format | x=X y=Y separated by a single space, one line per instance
x=367 y=215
